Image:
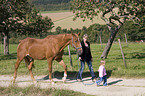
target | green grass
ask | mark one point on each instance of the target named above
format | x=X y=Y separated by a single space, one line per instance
x=134 y=55
x=36 y=91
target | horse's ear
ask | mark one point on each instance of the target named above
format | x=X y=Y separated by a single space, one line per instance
x=79 y=34
x=63 y=36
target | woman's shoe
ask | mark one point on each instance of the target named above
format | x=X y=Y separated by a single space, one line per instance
x=94 y=79
x=79 y=80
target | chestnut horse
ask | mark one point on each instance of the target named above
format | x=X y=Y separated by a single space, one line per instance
x=49 y=48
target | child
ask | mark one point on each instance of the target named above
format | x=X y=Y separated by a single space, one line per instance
x=102 y=74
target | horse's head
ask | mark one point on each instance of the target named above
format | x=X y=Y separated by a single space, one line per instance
x=75 y=42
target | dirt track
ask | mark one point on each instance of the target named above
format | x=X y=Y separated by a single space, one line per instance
x=117 y=86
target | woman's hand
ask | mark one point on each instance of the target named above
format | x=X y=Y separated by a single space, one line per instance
x=80 y=58
x=92 y=59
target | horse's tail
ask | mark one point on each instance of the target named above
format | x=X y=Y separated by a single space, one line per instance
x=28 y=59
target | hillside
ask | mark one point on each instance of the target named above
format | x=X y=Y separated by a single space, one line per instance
x=65 y=20
x=62 y=19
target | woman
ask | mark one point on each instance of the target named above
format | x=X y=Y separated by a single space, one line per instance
x=85 y=57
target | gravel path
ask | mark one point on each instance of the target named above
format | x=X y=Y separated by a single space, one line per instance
x=117 y=86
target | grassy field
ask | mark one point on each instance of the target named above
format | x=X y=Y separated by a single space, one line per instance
x=134 y=55
x=64 y=19
x=36 y=91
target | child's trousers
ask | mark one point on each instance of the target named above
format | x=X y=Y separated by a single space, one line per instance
x=104 y=78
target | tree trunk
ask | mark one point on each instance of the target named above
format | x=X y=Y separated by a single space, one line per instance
x=6 y=43
x=110 y=41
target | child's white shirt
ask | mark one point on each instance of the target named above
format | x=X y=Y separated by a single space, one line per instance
x=102 y=71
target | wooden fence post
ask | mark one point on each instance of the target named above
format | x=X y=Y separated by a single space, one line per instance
x=70 y=57
x=126 y=39
x=122 y=53
x=100 y=36
x=1 y=47
x=101 y=42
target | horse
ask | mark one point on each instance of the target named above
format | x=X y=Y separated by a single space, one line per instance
x=50 y=48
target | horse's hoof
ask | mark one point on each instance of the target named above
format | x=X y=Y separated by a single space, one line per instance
x=12 y=82
x=64 y=81
x=35 y=82
x=52 y=83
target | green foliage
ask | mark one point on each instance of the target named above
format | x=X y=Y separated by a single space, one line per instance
x=22 y=18
x=94 y=32
x=129 y=9
x=114 y=13
x=134 y=32
x=12 y=14
x=97 y=31
x=49 y=1
x=51 y=5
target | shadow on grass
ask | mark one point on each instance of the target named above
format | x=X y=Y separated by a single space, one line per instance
x=8 y=57
x=114 y=82
x=138 y=55
x=72 y=75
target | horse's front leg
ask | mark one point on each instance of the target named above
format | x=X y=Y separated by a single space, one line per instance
x=50 y=70
x=61 y=62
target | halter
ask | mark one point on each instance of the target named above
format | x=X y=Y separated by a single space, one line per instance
x=72 y=45
x=75 y=45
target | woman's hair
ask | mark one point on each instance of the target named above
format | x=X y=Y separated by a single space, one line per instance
x=102 y=62
x=85 y=36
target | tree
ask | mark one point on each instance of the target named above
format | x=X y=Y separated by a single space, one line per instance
x=113 y=12
x=134 y=32
x=11 y=15
x=19 y=16
x=58 y=30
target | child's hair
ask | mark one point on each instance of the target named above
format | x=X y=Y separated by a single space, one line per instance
x=102 y=62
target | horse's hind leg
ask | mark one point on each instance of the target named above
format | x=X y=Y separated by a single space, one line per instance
x=16 y=67
x=61 y=62
x=29 y=64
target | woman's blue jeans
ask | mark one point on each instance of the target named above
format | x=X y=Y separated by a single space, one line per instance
x=79 y=76
x=104 y=78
